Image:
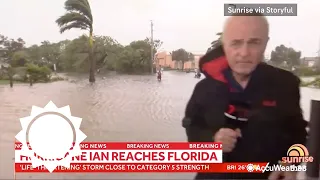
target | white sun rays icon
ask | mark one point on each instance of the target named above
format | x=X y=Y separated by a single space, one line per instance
x=50 y=132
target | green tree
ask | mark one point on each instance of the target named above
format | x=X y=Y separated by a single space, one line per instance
x=37 y=73
x=181 y=55
x=50 y=53
x=34 y=53
x=285 y=55
x=79 y=16
x=19 y=59
x=156 y=44
x=11 y=46
x=131 y=61
x=143 y=47
x=74 y=57
x=47 y=54
x=107 y=52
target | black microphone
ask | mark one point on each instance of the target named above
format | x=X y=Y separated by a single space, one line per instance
x=237 y=114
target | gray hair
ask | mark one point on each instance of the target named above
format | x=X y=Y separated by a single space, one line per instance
x=260 y=15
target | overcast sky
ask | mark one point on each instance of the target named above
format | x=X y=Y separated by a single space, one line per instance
x=189 y=24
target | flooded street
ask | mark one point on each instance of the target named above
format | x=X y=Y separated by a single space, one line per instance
x=116 y=108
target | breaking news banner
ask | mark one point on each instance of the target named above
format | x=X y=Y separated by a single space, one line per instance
x=139 y=157
x=51 y=141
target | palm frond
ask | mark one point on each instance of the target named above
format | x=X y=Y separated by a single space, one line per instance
x=78 y=25
x=214 y=42
x=80 y=6
x=73 y=17
x=86 y=2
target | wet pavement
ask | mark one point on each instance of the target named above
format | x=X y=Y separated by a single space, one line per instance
x=116 y=108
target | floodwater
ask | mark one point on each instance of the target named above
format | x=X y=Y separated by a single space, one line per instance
x=116 y=108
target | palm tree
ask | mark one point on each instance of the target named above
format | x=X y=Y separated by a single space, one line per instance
x=79 y=16
x=215 y=43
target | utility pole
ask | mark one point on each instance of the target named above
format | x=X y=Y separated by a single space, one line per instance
x=317 y=63
x=319 y=50
x=151 y=64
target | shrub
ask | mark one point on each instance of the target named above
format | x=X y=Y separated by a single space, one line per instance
x=57 y=78
x=20 y=74
x=4 y=74
x=38 y=74
x=315 y=83
x=306 y=71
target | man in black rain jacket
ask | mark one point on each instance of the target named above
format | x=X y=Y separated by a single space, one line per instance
x=249 y=106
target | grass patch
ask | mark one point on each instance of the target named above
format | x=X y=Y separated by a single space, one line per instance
x=313 y=76
x=316 y=76
x=3 y=82
x=315 y=83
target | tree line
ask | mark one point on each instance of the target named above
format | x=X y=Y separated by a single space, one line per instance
x=73 y=56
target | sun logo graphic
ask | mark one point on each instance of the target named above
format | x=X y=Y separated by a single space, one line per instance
x=50 y=136
x=297 y=153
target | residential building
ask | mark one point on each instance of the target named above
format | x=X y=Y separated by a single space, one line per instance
x=194 y=64
x=309 y=61
x=164 y=59
x=197 y=59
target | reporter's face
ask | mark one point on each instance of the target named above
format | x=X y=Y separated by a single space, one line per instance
x=244 y=41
